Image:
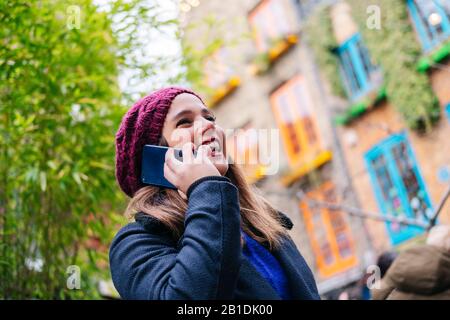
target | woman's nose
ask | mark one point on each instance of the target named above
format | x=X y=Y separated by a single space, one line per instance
x=204 y=126
x=200 y=130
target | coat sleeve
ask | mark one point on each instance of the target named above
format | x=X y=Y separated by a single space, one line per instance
x=147 y=266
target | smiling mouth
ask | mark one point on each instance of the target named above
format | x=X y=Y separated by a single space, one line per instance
x=214 y=145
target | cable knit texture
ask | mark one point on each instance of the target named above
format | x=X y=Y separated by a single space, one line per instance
x=141 y=125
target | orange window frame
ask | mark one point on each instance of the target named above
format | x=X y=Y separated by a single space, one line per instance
x=339 y=262
x=303 y=121
x=270 y=24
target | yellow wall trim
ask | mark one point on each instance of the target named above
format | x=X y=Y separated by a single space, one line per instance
x=224 y=90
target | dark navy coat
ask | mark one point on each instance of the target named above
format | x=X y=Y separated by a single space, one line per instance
x=207 y=262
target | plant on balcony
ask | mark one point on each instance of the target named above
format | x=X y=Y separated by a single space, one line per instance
x=320 y=36
x=395 y=48
x=277 y=47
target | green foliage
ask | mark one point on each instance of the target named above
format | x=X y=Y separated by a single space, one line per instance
x=138 y=25
x=396 y=49
x=441 y=53
x=262 y=62
x=320 y=36
x=199 y=40
x=60 y=106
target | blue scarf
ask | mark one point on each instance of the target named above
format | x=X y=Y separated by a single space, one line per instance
x=267 y=265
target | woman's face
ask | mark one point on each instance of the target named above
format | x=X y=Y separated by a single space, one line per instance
x=188 y=120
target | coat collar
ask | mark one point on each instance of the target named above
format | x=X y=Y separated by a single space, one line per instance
x=300 y=277
x=288 y=256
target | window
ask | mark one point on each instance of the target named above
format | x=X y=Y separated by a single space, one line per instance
x=398 y=185
x=328 y=232
x=293 y=109
x=217 y=71
x=432 y=21
x=269 y=22
x=357 y=69
x=447 y=111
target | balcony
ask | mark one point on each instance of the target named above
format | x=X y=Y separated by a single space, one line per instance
x=263 y=61
x=223 y=91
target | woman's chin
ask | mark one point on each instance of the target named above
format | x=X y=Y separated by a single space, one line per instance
x=220 y=162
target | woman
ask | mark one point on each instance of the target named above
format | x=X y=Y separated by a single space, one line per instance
x=213 y=237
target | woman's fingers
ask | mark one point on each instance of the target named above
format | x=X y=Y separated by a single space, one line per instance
x=183 y=174
x=172 y=162
x=203 y=153
x=169 y=174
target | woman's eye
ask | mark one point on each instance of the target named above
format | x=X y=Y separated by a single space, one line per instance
x=210 y=118
x=183 y=122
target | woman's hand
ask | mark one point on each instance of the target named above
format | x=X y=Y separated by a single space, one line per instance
x=183 y=174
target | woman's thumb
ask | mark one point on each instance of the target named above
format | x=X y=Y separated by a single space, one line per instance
x=203 y=152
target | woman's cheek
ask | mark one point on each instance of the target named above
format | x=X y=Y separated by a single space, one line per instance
x=180 y=137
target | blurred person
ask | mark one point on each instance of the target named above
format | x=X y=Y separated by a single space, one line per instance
x=385 y=260
x=421 y=272
x=212 y=238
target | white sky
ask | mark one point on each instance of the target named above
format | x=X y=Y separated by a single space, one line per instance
x=155 y=43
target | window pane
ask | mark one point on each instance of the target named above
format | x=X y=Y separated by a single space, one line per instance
x=416 y=196
x=304 y=103
x=288 y=121
x=261 y=29
x=285 y=112
x=431 y=18
x=308 y=126
x=280 y=18
x=339 y=226
x=364 y=56
x=356 y=66
x=390 y=193
x=304 y=108
x=321 y=235
x=217 y=70
x=349 y=72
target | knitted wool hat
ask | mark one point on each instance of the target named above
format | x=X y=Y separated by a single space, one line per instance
x=141 y=125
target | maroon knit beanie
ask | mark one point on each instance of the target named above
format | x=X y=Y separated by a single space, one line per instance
x=141 y=125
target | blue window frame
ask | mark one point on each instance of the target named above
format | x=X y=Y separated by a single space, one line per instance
x=432 y=21
x=356 y=67
x=398 y=185
x=447 y=111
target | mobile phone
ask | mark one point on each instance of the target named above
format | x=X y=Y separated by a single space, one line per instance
x=153 y=158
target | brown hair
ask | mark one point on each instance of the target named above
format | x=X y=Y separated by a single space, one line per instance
x=258 y=218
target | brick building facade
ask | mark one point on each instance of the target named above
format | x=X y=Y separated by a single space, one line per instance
x=264 y=75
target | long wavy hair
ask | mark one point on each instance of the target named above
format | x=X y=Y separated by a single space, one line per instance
x=258 y=217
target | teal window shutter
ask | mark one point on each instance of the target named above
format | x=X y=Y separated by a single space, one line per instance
x=398 y=186
x=356 y=67
x=432 y=21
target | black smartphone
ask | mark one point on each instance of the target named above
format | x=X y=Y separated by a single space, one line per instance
x=153 y=158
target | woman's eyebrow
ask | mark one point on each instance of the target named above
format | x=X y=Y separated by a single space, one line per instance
x=180 y=114
x=206 y=111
